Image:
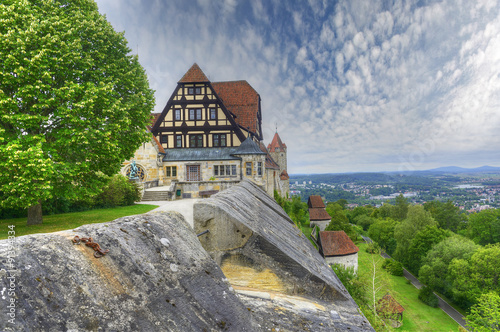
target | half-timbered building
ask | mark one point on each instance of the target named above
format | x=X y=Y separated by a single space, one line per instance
x=207 y=138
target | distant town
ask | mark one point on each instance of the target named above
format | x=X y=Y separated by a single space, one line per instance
x=470 y=190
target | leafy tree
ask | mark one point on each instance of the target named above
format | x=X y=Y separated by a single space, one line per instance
x=74 y=104
x=358 y=211
x=400 y=210
x=340 y=222
x=484 y=227
x=426 y=295
x=434 y=270
x=416 y=220
x=385 y=211
x=364 y=221
x=446 y=214
x=332 y=208
x=485 y=314
x=421 y=243
x=475 y=276
x=382 y=232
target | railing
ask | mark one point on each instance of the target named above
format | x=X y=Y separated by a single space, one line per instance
x=150 y=184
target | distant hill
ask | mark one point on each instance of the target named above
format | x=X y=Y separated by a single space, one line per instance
x=455 y=169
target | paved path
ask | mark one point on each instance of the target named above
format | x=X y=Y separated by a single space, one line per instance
x=183 y=206
x=448 y=309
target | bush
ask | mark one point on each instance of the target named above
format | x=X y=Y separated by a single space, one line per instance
x=427 y=296
x=119 y=192
x=373 y=248
x=393 y=267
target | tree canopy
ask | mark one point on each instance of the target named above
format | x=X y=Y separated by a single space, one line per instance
x=73 y=103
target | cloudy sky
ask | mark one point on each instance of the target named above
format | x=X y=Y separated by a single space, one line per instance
x=355 y=85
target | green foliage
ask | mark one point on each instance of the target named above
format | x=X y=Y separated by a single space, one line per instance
x=355 y=285
x=475 y=276
x=73 y=103
x=119 y=192
x=400 y=209
x=484 y=227
x=485 y=314
x=427 y=296
x=340 y=222
x=373 y=248
x=359 y=211
x=446 y=214
x=364 y=221
x=382 y=232
x=421 y=243
x=434 y=270
x=393 y=267
x=416 y=220
x=332 y=208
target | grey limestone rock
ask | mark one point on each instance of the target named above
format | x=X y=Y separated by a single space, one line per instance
x=156 y=277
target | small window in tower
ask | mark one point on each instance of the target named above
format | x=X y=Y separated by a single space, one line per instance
x=233 y=169
x=216 y=170
x=259 y=168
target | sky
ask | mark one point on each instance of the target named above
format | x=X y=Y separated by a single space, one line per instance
x=350 y=86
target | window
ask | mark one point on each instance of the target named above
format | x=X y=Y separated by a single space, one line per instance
x=197 y=90
x=225 y=170
x=177 y=114
x=190 y=91
x=193 y=173
x=178 y=141
x=259 y=168
x=219 y=140
x=194 y=91
x=191 y=114
x=163 y=139
x=249 y=168
x=213 y=114
x=171 y=171
x=196 y=141
x=195 y=114
x=198 y=114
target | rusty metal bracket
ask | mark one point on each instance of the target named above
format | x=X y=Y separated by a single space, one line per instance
x=98 y=251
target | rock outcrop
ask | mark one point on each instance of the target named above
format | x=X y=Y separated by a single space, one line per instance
x=272 y=265
x=254 y=272
x=156 y=277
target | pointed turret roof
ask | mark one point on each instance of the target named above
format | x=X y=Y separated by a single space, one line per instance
x=194 y=74
x=249 y=147
x=276 y=143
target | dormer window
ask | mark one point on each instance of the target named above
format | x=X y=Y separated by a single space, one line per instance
x=194 y=91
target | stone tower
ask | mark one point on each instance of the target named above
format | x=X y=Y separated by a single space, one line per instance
x=277 y=150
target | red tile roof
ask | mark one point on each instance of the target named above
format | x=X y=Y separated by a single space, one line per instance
x=336 y=243
x=315 y=201
x=318 y=214
x=160 y=148
x=194 y=74
x=388 y=305
x=276 y=143
x=242 y=100
x=284 y=175
x=155 y=117
x=270 y=163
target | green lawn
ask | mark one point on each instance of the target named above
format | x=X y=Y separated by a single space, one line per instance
x=59 y=222
x=417 y=315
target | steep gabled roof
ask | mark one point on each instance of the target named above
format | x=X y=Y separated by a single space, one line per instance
x=242 y=100
x=284 y=175
x=318 y=214
x=194 y=74
x=389 y=305
x=249 y=147
x=336 y=243
x=276 y=143
x=315 y=201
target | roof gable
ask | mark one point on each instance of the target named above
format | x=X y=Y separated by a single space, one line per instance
x=243 y=101
x=318 y=214
x=315 y=201
x=194 y=74
x=336 y=243
x=276 y=143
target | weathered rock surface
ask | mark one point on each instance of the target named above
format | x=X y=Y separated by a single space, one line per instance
x=272 y=265
x=156 y=277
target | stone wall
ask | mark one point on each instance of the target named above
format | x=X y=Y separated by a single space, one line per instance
x=146 y=156
x=346 y=261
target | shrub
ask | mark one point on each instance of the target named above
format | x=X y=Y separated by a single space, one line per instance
x=119 y=192
x=393 y=267
x=373 y=248
x=427 y=296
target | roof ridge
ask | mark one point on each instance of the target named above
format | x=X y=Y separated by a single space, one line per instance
x=194 y=74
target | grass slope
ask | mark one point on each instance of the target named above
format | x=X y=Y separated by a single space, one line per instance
x=417 y=315
x=59 y=222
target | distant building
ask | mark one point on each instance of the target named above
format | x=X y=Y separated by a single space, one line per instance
x=317 y=212
x=337 y=248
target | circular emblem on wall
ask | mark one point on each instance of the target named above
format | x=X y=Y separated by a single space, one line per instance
x=135 y=172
